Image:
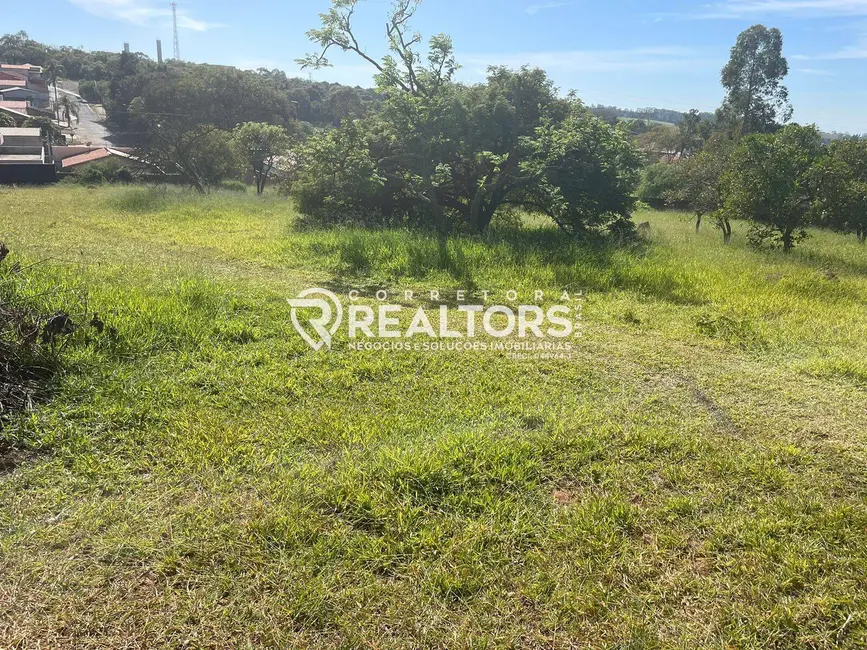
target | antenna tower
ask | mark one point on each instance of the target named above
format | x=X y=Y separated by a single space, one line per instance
x=175 y=23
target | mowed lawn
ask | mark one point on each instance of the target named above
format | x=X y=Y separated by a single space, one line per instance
x=695 y=476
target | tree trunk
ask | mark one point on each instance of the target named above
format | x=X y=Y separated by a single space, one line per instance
x=727 y=231
x=475 y=212
x=788 y=242
x=698 y=216
x=862 y=236
x=438 y=213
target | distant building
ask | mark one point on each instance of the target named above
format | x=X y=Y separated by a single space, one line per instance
x=73 y=158
x=18 y=78
x=25 y=157
x=17 y=110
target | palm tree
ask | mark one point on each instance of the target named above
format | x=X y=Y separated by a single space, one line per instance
x=53 y=70
x=69 y=108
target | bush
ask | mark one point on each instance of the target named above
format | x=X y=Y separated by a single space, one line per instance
x=337 y=180
x=90 y=91
x=103 y=172
x=658 y=182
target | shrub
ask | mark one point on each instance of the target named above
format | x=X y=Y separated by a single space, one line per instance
x=337 y=179
x=90 y=91
x=659 y=182
x=103 y=172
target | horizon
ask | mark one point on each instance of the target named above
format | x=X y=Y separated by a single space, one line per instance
x=664 y=54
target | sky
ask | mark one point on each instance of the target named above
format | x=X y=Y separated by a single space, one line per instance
x=629 y=53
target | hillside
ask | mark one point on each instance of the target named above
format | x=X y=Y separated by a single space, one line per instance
x=693 y=476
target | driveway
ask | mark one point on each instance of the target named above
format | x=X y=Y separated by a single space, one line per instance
x=89 y=128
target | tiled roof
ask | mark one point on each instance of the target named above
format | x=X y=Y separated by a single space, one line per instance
x=14 y=105
x=11 y=82
x=90 y=156
x=18 y=66
x=7 y=76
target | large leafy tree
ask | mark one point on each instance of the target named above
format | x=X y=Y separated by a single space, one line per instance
x=841 y=182
x=260 y=146
x=772 y=184
x=451 y=155
x=756 y=99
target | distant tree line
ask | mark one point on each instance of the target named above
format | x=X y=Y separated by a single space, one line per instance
x=114 y=79
x=615 y=113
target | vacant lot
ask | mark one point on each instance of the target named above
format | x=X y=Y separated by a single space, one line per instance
x=695 y=476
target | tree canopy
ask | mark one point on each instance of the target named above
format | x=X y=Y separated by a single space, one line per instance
x=451 y=156
x=756 y=99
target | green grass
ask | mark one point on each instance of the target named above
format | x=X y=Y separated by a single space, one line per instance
x=693 y=477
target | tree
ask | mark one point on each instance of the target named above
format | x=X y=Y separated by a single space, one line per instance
x=772 y=184
x=756 y=99
x=417 y=95
x=53 y=70
x=200 y=155
x=68 y=109
x=6 y=120
x=659 y=182
x=337 y=178
x=663 y=141
x=583 y=175
x=259 y=146
x=701 y=183
x=451 y=156
x=841 y=186
x=690 y=138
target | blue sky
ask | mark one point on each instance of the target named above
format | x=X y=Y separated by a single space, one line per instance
x=631 y=53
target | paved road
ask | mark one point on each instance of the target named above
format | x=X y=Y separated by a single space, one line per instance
x=89 y=128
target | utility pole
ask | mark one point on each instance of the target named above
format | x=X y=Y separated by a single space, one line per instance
x=175 y=21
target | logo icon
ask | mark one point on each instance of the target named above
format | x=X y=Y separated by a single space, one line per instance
x=323 y=325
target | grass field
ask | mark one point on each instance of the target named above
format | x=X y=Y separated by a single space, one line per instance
x=694 y=477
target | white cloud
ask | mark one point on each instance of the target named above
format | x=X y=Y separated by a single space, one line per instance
x=648 y=59
x=747 y=9
x=810 y=7
x=534 y=9
x=140 y=13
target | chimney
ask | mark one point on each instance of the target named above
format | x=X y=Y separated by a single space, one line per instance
x=159 y=52
x=126 y=47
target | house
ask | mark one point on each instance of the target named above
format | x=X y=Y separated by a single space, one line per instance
x=25 y=157
x=27 y=70
x=74 y=158
x=22 y=146
x=17 y=110
x=25 y=77
x=18 y=93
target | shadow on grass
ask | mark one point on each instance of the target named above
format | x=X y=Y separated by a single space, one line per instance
x=511 y=257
